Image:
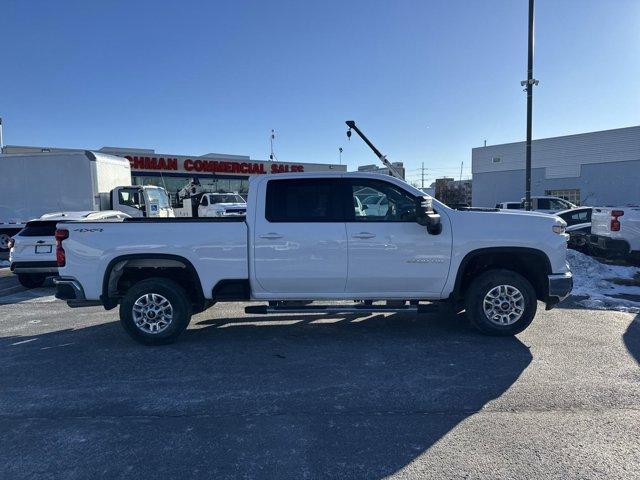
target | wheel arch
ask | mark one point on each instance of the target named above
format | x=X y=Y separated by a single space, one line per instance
x=531 y=263
x=148 y=261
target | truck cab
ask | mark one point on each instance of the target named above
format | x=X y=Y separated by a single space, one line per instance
x=549 y=204
x=141 y=201
x=222 y=205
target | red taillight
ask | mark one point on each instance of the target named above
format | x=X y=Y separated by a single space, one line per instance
x=61 y=234
x=615 y=223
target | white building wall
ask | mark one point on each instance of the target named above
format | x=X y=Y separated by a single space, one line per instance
x=603 y=165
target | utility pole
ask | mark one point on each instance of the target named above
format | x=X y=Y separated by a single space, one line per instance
x=340 y=154
x=529 y=83
x=1 y=141
x=422 y=172
x=461 y=167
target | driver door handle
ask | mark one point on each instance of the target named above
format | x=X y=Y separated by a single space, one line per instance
x=363 y=235
x=270 y=236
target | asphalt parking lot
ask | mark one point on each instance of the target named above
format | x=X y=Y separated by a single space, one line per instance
x=239 y=396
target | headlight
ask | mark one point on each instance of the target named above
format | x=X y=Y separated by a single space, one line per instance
x=559 y=229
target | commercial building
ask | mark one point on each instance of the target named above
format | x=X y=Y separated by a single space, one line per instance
x=595 y=168
x=373 y=168
x=217 y=172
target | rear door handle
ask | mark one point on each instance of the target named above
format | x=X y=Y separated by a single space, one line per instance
x=40 y=241
x=363 y=235
x=270 y=236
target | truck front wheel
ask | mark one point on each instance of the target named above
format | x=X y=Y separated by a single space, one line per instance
x=501 y=302
x=155 y=311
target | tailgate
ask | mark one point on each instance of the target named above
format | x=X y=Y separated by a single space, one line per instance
x=601 y=222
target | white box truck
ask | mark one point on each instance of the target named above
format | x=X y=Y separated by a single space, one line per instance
x=34 y=184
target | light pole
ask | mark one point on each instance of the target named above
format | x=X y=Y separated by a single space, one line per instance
x=529 y=84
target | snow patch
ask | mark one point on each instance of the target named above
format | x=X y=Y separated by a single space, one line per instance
x=594 y=280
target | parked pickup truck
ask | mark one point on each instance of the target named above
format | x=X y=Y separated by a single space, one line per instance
x=615 y=231
x=303 y=239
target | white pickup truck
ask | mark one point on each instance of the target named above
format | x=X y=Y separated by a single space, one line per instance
x=616 y=231
x=304 y=240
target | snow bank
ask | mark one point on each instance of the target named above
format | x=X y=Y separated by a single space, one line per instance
x=593 y=279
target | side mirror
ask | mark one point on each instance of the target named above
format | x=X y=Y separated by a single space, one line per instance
x=427 y=217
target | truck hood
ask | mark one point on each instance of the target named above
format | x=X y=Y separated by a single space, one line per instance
x=502 y=221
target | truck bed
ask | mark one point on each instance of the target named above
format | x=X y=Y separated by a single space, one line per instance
x=215 y=247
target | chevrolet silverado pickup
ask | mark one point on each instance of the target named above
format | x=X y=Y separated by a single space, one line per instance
x=306 y=241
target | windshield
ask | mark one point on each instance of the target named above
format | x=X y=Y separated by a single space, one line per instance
x=159 y=196
x=226 y=198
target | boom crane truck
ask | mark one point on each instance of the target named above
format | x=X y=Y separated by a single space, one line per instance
x=383 y=158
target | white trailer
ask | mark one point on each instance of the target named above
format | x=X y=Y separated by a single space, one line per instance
x=34 y=184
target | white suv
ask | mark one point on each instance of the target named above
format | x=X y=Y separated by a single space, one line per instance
x=33 y=251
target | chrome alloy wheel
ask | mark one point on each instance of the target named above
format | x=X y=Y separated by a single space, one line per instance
x=152 y=313
x=503 y=305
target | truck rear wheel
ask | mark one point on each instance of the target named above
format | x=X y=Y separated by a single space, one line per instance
x=31 y=280
x=4 y=242
x=155 y=311
x=501 y=302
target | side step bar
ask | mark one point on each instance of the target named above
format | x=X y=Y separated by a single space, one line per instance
x=268 y=309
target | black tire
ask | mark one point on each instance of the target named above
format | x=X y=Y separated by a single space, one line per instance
x=178 y=300
x=31 y=280
x=482 y=285
x=5 y=236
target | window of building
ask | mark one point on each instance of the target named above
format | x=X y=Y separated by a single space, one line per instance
x=308 y=200
x=569 y=194
x=212 y=185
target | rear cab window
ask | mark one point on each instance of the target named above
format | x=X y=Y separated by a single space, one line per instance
x=304 y=200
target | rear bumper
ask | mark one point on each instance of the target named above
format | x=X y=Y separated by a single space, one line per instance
x=560 y=285
x=34 y=267
x=69 y=289
x=607 y=244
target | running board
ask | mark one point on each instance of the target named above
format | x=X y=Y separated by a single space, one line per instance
x=267 y=309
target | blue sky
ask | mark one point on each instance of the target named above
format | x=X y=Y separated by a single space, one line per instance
x=427 y=80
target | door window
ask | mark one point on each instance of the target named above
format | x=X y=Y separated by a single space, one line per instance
x=205 y=201
x=558 y=205
x=544 y=204
x=579 y=216
x=130 y=198
x=304 y=200
x=384 y=202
